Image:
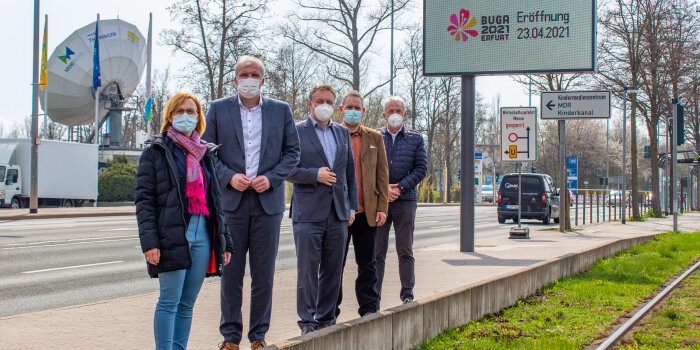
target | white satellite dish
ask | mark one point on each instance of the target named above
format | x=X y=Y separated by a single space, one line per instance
x=70 y=96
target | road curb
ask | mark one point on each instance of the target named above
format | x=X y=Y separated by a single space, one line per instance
x=28 y=216
x=127 y=211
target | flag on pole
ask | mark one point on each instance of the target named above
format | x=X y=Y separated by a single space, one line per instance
x=96 y=77
x=42 y=81
x=148 y=112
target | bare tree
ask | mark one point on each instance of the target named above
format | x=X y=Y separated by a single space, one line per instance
x=621 y=57
x=412 y=63
x=213 y=33
x=339 y=31
x=291 y=76
x=556 y=82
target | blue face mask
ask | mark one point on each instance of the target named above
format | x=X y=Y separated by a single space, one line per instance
x=184 y=123
x=352 y=117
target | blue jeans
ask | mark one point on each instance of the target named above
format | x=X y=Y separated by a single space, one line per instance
x=179 y=290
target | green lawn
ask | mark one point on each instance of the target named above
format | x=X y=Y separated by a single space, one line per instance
x=572 y=312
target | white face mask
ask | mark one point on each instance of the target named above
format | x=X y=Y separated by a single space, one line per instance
x=395 y=120
x=249 y=87
x=323 y=112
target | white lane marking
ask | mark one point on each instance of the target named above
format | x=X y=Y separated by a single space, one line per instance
x=119 y=229
x=65 y=240
x=74 y=243
x=427 y=222
x=444 y=226
x=74 y=267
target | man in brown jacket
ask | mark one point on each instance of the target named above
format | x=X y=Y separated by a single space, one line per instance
x=372 y=175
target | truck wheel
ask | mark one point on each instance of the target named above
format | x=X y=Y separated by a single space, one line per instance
x=67 y=203
x=15 y=204
x=501 y=220
x=546 y=218
x=515 y=220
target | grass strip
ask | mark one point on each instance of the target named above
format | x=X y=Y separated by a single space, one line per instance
x=675 y=324
x=572 y=312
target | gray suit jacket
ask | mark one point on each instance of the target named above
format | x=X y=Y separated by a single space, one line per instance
x=279 y=149
x=311 y=200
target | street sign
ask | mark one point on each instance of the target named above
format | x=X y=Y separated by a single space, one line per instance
x=572 y=172
x=575 y=105
x=478 y=170
x=508 y=37
x=518 y=134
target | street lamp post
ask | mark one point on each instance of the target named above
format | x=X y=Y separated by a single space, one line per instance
x=628 y=90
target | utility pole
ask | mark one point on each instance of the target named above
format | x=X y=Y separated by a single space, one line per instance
x=34 y=188
x=674 y=159
x=391 y=74
x=628 y=89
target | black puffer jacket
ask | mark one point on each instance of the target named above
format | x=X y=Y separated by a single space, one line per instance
x=407 y=160
x=161 y=208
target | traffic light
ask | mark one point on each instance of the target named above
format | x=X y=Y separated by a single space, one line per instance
x=498 y=176
x=680 y=124
x=459 y=174
x=534 y=169
x=647 y=152
x=601 y=181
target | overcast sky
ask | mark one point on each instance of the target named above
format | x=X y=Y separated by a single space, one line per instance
x=65 y=16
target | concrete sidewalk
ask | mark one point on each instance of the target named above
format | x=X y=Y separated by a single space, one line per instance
x=126 y=323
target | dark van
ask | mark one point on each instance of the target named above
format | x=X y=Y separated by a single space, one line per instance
x=540 y=198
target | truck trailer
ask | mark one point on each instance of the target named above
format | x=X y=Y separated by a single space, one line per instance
x=67 y=173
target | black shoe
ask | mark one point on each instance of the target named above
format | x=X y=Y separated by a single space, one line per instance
x=407 y=300
x=320 y=327
x=307 y=329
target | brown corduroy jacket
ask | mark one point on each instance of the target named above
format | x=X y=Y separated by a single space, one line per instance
x=375 y=174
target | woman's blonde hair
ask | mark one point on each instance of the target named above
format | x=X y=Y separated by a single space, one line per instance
x=177 y=101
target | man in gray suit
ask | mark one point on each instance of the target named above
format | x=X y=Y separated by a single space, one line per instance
x=323 y=206
x=259 y=147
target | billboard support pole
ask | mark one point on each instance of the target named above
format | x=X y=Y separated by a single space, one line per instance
x=466 y=217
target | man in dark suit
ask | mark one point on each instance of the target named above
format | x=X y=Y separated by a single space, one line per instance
x=324 y=203
x=372 y=176
x=259 y=147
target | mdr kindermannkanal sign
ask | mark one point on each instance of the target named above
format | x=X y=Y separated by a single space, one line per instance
x=508 y=36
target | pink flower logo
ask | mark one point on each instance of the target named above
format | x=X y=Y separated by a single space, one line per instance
x=460 y=29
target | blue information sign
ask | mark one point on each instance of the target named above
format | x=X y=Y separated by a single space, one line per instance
x=572 y=172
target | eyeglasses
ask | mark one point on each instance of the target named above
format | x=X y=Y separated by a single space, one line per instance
x=188 y=111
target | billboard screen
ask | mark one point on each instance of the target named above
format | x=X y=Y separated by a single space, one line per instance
x=508 y=37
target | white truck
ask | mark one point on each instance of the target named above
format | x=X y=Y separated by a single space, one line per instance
x=67 y=173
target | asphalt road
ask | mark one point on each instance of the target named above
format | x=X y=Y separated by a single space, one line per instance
x=51 y=263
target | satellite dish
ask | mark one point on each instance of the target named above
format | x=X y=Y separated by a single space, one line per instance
x=71 y=100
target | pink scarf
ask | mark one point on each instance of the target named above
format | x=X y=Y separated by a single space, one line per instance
x=194 y=189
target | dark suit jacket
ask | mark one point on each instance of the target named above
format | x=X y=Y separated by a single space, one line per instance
x=375 y=174
x=279 y=149
x=311 y=200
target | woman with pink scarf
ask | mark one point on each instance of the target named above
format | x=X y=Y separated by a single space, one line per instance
x=182 y=229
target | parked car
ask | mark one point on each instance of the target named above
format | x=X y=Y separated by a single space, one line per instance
x=487 y=193
x=540 y=198
x=616 y=198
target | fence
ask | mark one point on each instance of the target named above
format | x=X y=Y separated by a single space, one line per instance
x=596 y=202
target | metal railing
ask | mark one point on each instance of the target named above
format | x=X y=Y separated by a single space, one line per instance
x=593 y=203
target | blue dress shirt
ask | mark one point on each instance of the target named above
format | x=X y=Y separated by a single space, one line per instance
x=327 y=139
